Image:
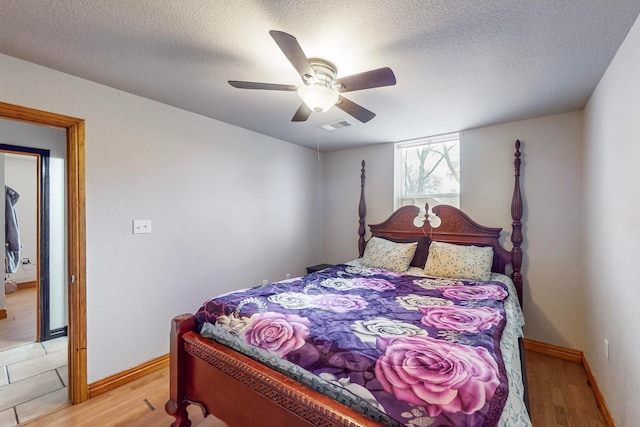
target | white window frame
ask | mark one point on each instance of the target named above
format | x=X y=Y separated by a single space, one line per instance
x=400 y=199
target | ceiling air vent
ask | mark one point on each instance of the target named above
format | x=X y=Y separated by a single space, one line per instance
x=336 y=125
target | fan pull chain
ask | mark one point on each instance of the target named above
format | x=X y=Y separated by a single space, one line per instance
x=318 y=136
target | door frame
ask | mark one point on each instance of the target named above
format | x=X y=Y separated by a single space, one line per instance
x=76 y=235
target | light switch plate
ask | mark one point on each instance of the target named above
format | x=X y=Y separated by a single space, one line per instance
x=141 y=226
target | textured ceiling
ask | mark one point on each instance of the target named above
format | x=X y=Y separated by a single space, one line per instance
x=459 y=64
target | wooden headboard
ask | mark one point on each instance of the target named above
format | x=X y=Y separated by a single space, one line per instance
x=455 y=227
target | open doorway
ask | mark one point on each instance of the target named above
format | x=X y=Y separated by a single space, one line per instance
x=33 y=337
x=75 y=237
x=20 y=215
x=36 y=255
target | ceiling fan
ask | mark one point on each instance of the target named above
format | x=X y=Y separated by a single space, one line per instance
x=321 y=89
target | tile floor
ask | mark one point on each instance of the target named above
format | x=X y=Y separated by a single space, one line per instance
x=33 y=380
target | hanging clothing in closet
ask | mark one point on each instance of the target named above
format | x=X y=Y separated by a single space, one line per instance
x=11 y=231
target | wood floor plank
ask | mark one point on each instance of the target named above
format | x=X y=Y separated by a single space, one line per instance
x=19 y=327
x=560 y=394
x=127 y=405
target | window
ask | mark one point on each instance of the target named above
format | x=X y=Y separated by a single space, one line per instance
x=428 y=171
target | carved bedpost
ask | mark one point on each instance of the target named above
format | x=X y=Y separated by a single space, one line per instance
x=176 y=406
x=362 y=212
x=516 y=235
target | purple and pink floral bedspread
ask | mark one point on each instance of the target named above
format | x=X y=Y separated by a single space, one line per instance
x=424 y=351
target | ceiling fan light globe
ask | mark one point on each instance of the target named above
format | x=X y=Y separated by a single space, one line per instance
x=318 y=97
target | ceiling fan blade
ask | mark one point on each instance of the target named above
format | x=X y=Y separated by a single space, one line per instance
x=355 y=110
x=302 y=114
x=264 y=86
x=367 y=80
x=294 y=53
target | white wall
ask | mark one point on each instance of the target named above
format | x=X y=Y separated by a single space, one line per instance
x=612 y=231
x=229 y=208
x=342 y=189
x=551 y=184
x=552 y=192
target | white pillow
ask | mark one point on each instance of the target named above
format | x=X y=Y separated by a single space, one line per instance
x=459 y=261
x=382 y=253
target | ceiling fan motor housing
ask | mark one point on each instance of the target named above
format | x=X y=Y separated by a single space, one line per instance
x=325 y=73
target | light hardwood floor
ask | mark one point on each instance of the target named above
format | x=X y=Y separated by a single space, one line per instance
x=137 y=404
x=19 y=327
x=560 y=396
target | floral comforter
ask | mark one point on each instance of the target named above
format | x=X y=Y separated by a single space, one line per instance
x=418 y=351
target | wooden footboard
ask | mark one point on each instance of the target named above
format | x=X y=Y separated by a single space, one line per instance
x=241 y=391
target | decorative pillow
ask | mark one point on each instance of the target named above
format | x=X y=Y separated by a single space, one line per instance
x=459 y=261
x=382 y=253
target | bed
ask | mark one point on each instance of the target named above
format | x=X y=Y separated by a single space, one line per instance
x=356 y=344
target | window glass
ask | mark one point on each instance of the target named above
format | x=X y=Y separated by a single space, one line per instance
x=428 y=171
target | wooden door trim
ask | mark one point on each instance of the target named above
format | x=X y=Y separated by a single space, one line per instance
x=76 y=234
